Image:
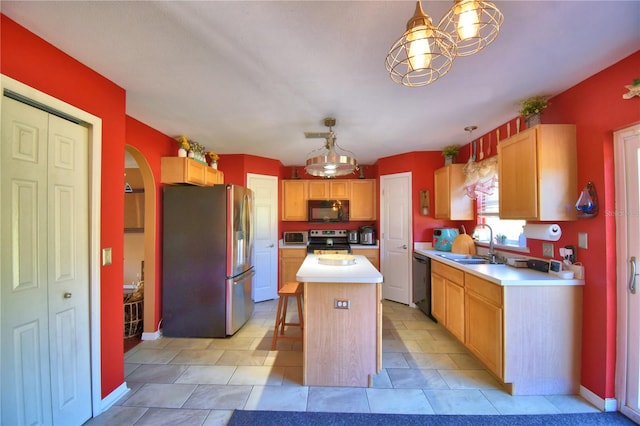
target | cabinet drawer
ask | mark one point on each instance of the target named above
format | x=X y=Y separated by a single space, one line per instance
x=452 y=274
x=299 y=253
x=491 y=292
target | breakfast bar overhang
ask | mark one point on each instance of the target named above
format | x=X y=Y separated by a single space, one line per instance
x=342 y=344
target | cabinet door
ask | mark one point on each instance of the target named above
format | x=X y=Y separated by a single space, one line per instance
x=133 y=211
x=484 y=332
x=517 y=159
x=370 y=254
x=339 y=189
x=213 y=176
x=318 y=189
x=451 y=201
x=294 y=200
x=290 y=262
x=454 y=309
x=195 y=172
x=363 y=199
x=437 y=297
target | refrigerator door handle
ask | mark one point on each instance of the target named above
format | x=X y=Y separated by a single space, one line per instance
x=242 y=278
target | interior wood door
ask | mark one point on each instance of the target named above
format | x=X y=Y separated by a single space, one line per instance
x=396 y=239
x=44 y=264
x=627 y=164
x=265 y=283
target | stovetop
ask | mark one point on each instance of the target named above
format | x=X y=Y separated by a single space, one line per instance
x=323 y=241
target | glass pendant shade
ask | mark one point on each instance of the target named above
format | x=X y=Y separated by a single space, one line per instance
x=587 y=204
x=422 y=54
x=472 y=24
x=331 y=163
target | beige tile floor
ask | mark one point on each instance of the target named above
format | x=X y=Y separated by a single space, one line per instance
x=201 y=381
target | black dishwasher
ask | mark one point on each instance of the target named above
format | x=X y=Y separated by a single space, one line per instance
x=422 y=283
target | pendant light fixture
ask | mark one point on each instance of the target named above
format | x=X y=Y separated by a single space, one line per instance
x=472 y=24
x=327 y=161
x=422 y=54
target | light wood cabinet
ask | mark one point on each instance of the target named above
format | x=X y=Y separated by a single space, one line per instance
x=371 y=254
x=483 y=320
x=176 y=170
x=134 y=211
x=338 y=189
x=362 y=205
x=538 y=173
x=447 y=287
x=294 y=199
x=360 y=193
x=290 y=261
x=451 y=201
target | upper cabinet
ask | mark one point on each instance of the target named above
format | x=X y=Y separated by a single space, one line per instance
x=329 y=189
x=360 y=193
x=362 y=204
x=295 y=194
x=451 y=201
x=188 y=170
x=538 y=173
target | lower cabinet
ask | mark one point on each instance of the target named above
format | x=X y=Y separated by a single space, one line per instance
x=370 y=253
x=483 y=320
x=447 y=287
x=290 y=261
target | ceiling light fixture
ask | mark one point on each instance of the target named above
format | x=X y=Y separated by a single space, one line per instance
x=422 y=54
x=330 y=163
x=472 y=24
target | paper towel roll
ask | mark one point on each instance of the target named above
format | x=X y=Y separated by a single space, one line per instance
x=543 y=231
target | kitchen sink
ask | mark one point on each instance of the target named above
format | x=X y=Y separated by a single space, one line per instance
x=467 y=259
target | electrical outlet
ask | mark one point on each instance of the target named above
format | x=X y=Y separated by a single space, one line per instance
x=547 y=249
x=341 y=304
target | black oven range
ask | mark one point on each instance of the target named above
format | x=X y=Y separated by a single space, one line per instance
x=328 y=241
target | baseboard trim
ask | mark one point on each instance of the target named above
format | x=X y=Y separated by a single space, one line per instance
x=607 y=404
x=112 y=398
x=152 y=336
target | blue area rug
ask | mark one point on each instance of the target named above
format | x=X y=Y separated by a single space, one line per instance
x=289 y=418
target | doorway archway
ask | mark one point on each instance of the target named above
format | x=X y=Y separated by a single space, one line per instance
x=150 y=245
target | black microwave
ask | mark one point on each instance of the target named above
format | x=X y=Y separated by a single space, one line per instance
x=328 y=210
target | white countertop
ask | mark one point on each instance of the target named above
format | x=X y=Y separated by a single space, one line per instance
x=504 y=275
x=361 y=272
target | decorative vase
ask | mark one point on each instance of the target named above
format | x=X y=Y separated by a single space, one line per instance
x=191 y=154
x=182 y=152
x=448 y=160
x=214 y=164
x=532 y=120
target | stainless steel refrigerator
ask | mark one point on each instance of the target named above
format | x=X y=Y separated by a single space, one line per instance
x=207 y=265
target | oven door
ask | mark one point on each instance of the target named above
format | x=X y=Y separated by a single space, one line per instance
x=328 y=211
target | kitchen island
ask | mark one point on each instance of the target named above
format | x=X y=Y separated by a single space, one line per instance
x=524 y=325
x=342 y=343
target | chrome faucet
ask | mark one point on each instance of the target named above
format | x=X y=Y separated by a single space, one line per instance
x=492 y=253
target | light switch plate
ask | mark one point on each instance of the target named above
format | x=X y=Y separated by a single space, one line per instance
x=582 y=240
x=106 y=256
x=547 y=249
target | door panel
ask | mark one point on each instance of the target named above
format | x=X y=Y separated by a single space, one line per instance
x=396 y=236
x=46 y=376
x=265 y=283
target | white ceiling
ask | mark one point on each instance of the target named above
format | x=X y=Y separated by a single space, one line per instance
x=252 y=77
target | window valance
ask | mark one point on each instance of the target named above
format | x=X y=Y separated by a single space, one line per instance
x=481 y=177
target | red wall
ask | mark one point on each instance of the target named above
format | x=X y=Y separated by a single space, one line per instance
x=32 y=61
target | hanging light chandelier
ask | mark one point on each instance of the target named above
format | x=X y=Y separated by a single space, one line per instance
x=327 y=161
x=422 y=54
x=472 y=24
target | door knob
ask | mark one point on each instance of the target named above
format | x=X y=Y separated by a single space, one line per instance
x=404 y=246
x=67 y=295
x=270 y=246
